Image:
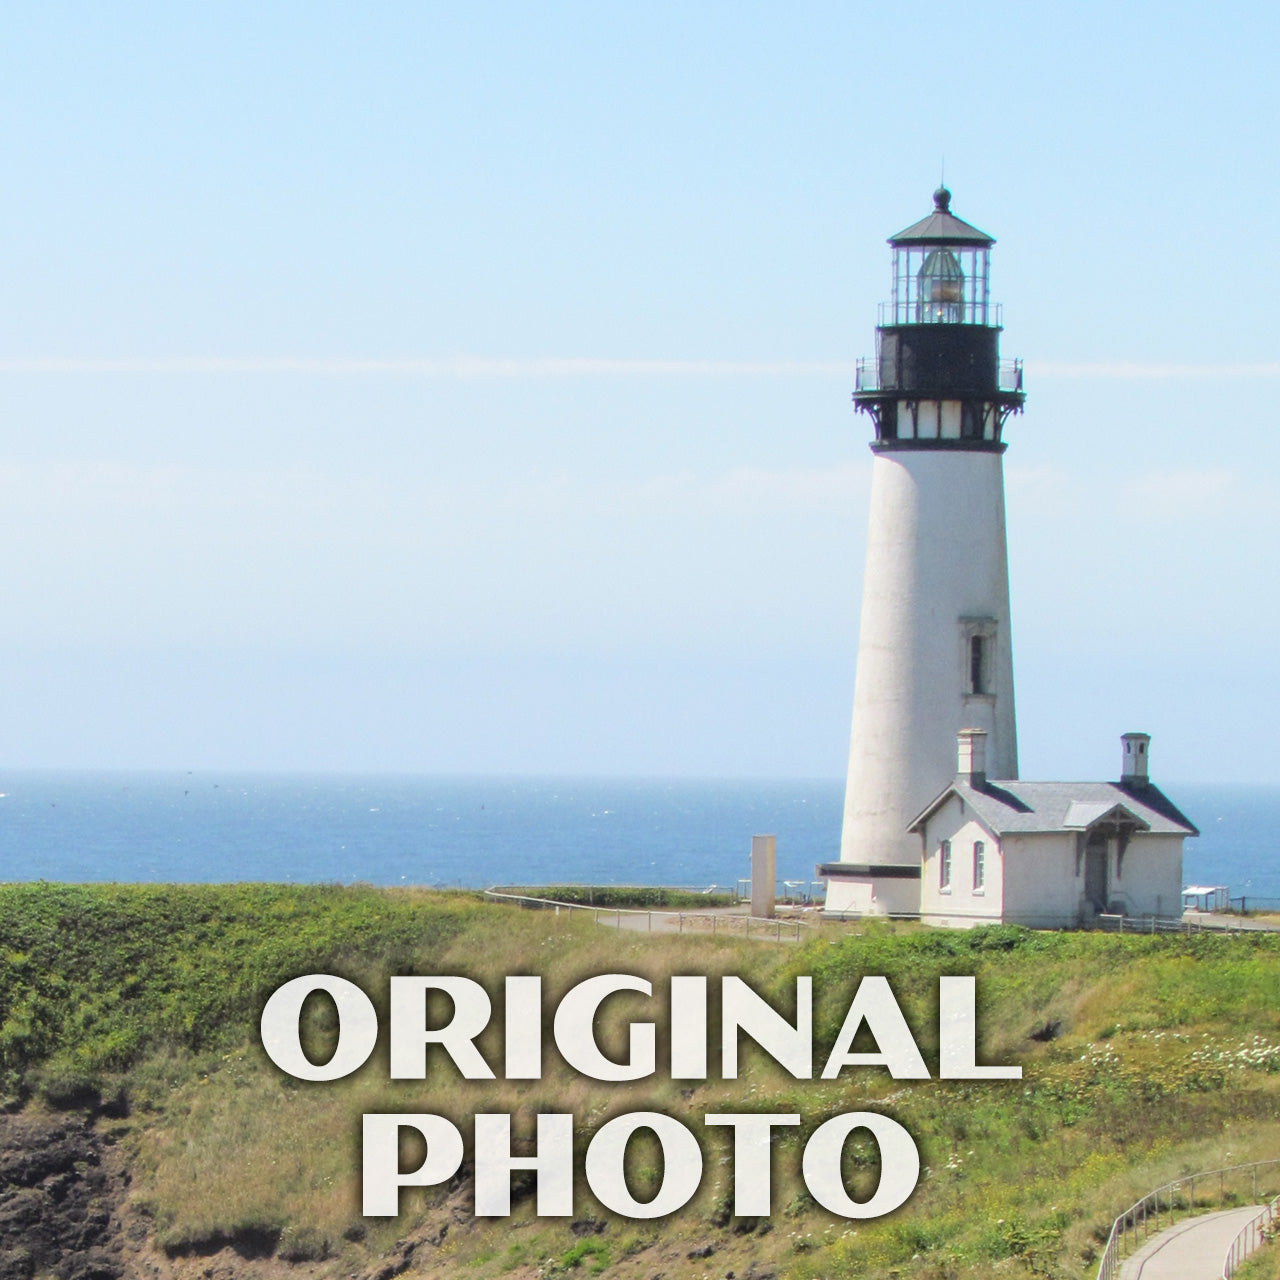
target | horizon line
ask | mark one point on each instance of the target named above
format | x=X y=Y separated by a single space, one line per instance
x=469 y=367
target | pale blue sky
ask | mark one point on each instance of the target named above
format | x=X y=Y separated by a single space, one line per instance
x=466 y=388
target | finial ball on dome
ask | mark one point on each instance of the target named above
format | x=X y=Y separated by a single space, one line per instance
x=942 y=200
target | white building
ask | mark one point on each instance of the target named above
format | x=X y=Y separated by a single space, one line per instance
x=1049 y=854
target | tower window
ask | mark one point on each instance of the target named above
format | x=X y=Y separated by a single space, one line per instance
x=976 y=658
x=944 y=866
x=977 y=664
x=979 y=866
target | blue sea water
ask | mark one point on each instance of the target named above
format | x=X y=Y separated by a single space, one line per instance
x=393 y=829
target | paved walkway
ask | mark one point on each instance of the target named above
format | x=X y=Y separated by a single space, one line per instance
x=1229 y=923
x=1194 y=1249
x=787 y=927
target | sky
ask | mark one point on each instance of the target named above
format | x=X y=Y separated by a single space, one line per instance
x=465 y=388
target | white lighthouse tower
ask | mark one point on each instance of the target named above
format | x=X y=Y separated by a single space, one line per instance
x=934 y=649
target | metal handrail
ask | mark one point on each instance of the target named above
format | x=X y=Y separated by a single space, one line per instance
x=867 y=374
x=1138 y=1216
x=1251 y=1236
x=767 y=928
x=1009 y=375
x=1147 y=924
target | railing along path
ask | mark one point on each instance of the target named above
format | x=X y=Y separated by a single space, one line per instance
x=762 y=928
x=1254 y=1234
x=1144 y=1217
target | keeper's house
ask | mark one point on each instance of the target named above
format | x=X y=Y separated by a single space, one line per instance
x=1049 y=854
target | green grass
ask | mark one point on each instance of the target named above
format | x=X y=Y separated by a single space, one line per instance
x=1157 y=1056
x=1262 y=1265
x=96 y=978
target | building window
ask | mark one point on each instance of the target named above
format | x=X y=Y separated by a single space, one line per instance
x=944 y=867
x=979 y=866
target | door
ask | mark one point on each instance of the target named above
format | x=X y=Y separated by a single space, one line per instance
x=1095 y=875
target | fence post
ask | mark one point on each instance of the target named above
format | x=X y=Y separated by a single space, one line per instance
x=713 y=924
x=650 y=921
x=748 y=926
x=779 y=937
x=682 y=922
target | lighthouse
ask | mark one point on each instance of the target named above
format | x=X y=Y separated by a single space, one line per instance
x=935 y=652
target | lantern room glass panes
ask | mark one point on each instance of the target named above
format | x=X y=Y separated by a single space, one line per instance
x=940 y=284
x=940 y=289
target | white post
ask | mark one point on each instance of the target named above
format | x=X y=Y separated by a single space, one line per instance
x=763 y=876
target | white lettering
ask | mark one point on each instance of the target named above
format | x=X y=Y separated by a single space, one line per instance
x=742 y=1009
x=681 y=1165
x=899 y=1165
x=958 y=1034
x=553 y=1164
x=382 y=1176
x=357 y=1027
x=575 y=1030
x=410 y=1037
x=874 y=1003
x=752 y=1182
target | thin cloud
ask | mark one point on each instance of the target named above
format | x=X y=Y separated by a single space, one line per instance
x=447 y=367
x=1138 y=372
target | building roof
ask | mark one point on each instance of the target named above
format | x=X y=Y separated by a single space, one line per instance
x=942 y=226
x=1015 y=806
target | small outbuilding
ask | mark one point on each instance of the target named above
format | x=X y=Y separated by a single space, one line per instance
x=1049 y=854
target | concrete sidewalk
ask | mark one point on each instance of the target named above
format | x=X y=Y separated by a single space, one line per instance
x=1194 y=1249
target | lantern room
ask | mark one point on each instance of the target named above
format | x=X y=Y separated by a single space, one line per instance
x=936 y=380
x=940 y=267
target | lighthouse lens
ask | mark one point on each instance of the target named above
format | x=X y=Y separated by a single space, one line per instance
x=940 y=289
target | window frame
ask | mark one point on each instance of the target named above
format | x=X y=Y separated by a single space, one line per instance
x=979 y=637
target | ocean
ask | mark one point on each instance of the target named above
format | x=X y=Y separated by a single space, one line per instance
x=402 y=829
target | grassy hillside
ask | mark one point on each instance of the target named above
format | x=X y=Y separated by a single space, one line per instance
x=1143 y=1058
